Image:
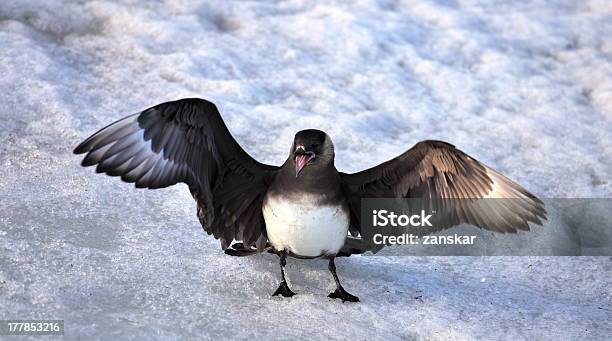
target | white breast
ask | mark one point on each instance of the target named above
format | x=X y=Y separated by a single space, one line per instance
x=303 y=228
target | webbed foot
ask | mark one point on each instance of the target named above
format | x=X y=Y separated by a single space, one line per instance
x=283 y=290
x=343 y=295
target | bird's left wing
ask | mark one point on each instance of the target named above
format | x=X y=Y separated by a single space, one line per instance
x=437 y=171
x=187 y=141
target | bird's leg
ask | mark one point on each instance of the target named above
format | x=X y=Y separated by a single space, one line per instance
x=340 y=292
x=283 y=288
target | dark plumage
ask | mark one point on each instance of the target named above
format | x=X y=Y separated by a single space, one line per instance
x=436 y=169
x=187 y=141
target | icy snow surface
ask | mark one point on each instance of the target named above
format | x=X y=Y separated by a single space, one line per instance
x=525 y=87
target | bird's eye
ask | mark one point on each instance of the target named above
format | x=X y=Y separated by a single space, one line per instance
x=313 y=146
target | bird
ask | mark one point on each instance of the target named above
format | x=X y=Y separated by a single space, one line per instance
x=304 y=208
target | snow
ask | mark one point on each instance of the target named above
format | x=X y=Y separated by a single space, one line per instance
x=525 y=87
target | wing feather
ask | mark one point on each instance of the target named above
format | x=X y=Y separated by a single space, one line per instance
x=438 y=171
x=187 y=141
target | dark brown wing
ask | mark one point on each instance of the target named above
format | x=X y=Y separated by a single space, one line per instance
x=187 y=141
x=437 y=171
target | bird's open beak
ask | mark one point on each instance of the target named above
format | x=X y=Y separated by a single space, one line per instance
x=301 y=160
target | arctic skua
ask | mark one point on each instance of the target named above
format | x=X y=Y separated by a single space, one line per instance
x=304 y=208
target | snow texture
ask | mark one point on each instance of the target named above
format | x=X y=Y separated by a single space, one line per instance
x=525 y=87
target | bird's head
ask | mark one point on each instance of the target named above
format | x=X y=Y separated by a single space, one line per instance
x=311 y=148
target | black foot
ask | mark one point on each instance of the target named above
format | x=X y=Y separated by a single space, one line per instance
x=343 y=295
x=283 y=290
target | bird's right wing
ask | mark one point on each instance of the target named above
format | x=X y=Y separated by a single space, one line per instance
x=187 y=141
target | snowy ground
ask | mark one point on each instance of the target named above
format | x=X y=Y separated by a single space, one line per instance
x=525 y=87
